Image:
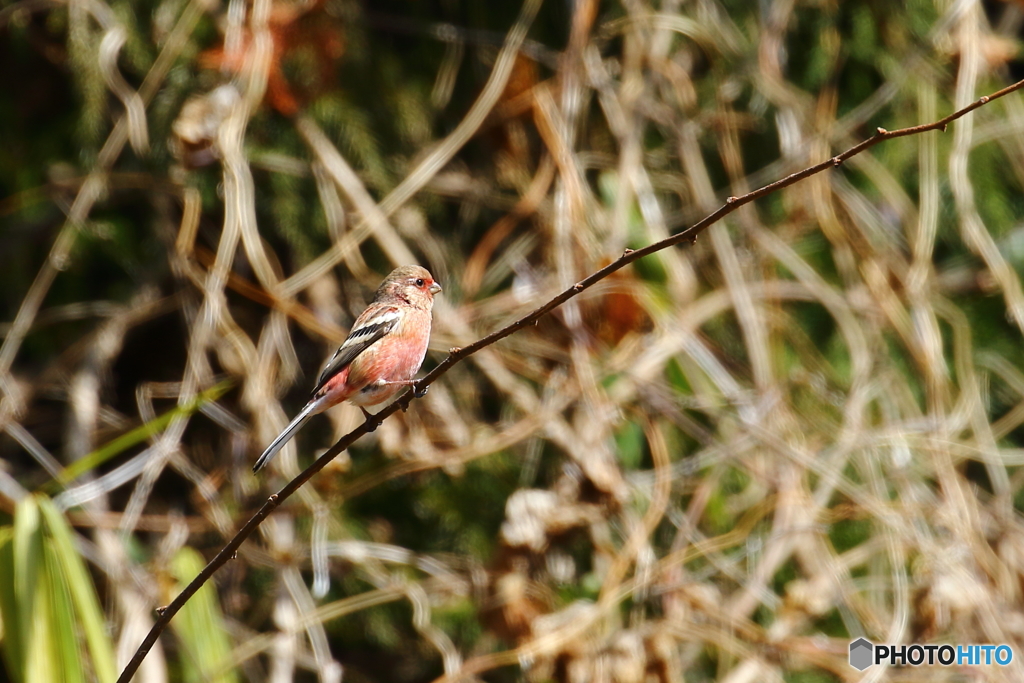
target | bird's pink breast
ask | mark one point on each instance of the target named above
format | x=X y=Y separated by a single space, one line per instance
x=395 y=358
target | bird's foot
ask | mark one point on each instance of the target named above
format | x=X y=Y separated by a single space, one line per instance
x=420 y=392
x=371 y=420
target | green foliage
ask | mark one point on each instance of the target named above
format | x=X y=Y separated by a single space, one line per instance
x=629 y=445
x=149 y=430
x=200 y=628
x=54 y=628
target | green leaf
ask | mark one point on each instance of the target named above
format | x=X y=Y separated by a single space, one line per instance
x=28 y=567
x=41 y=651
x=48 y=602
x=59 y=623
x=12 y=641
x=82 y=592
x=99 y=456
x=200 y=626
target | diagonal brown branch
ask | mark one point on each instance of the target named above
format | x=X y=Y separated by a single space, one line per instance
x=456 y=355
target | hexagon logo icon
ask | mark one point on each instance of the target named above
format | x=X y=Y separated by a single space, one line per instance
x=861 y=651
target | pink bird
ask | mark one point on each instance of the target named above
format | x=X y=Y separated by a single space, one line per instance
x=381 y=354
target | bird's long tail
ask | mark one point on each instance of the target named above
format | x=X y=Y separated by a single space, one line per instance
x=311 y=409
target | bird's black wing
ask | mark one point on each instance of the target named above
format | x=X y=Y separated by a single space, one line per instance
x=362 y=336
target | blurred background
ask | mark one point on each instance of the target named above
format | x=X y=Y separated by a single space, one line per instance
x=722 y=463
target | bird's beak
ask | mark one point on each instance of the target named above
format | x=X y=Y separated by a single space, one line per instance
x=435 y=288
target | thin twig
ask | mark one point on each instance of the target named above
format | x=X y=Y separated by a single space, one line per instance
x=458 y=354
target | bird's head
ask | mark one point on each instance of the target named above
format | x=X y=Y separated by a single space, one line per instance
x=410 y=284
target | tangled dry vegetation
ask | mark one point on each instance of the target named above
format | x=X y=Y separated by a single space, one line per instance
x=722 y=463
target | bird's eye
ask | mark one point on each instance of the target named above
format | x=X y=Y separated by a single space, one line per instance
x=419 y=282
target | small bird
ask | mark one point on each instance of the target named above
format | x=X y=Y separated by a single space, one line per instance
x=381 y=354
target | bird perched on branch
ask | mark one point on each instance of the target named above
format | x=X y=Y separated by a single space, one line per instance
x=382 y=353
